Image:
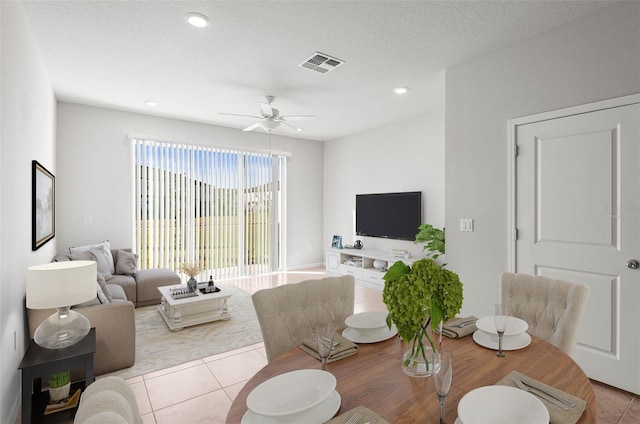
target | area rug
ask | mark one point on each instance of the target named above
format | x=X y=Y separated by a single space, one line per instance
x=157 y=347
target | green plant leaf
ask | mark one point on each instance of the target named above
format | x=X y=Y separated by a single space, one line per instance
x=395 y=271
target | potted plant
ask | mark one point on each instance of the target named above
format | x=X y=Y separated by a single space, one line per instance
x=434 y=239
x=419 y=299
x=191 y=270
x=59 y=385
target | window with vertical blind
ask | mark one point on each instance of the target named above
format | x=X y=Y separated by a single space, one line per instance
x=216 y=207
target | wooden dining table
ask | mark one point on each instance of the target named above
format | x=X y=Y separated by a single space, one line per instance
x=373 y=378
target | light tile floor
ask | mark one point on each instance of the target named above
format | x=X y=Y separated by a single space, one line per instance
x=202 y=391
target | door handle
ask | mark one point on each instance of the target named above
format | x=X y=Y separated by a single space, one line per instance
x=633 y=264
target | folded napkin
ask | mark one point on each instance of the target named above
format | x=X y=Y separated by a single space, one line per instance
x=345 y=348
x=366 y=415
x=557 y=415
x=451 y=330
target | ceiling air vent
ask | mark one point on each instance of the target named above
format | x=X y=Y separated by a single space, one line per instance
x=321 y=62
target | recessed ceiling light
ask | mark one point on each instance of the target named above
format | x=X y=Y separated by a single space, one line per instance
x=400 y=90
x=197 y=19
x=151 y=103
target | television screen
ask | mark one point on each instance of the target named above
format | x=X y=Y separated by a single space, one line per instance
x=389 y=215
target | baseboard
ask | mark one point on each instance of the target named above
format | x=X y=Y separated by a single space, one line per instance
x=307 y=266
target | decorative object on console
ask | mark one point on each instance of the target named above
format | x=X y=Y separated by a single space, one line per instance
x=192 y=271
x=420 y=299
x=358 y=244
x=43 y=205
x=380 y=264
x=60 y=285
x=336 y=242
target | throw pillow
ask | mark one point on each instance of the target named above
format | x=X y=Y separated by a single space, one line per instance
x=98 y=257
x=104 y=247
x=127 y=263
x=101 y=296
x=102 y=284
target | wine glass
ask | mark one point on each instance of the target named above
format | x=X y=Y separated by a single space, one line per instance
x=442 y=379
x=500 y=318
x=324 y=342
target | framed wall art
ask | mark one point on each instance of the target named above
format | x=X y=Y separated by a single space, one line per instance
x=43 y=203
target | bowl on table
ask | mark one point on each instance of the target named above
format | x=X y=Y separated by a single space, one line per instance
x=368 y=327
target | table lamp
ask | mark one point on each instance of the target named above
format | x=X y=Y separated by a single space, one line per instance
x=60 y=285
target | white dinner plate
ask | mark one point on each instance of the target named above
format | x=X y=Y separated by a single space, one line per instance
x=514 y=326
x=291 y=392
x=369 y=336
x=501 y=405
x=320 y=413
x=367 y=320
x=490 y=341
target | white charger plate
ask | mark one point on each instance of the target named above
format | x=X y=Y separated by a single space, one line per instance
x=369 y=336
x=501 y=405
x=514 y=325
x=318 y=414
x=291 y=392
x=367 y=320
x=490 y=341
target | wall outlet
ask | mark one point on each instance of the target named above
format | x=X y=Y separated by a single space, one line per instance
x=87 y=219
x=466 y=224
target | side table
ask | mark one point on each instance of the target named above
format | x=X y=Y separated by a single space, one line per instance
x=39 y=362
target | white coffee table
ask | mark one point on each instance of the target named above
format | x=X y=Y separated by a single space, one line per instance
x=180 y=313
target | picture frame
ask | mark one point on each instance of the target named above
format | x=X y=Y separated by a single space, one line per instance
x=43 y=204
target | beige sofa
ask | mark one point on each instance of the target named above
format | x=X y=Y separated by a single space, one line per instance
x=115 y=321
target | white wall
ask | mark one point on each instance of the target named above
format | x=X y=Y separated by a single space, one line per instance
x=585 y=61
x=27 y=114
x=95 y=175
x=406 y=156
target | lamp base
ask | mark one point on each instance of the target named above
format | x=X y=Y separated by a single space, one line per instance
x=62 y=329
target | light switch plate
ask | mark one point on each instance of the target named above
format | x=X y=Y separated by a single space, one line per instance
x=466 y=224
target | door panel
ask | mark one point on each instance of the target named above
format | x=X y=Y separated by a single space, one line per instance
x=578 y=218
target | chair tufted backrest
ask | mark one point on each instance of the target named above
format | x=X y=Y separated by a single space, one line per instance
x=552 y=308
x=287 y=313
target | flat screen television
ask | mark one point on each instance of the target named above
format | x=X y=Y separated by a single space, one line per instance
x=389 y=215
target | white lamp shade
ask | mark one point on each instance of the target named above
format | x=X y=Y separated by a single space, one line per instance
x=59 y=284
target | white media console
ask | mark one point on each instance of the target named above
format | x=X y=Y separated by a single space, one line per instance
x=359 y=263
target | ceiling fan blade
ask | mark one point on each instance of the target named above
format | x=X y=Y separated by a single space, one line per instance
x=252 y=127
x=267 y=110
x=298 y=117
x=236 y=114
x=291 y=126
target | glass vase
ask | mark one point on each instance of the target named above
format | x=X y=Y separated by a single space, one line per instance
x=192 y=284
x=415 y=364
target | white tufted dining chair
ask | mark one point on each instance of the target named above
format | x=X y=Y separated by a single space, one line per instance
x=552 y=308
x=287 y=313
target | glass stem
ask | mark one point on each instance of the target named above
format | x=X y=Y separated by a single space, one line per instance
x=500 y=352
x=324 y=364
x=442 y=398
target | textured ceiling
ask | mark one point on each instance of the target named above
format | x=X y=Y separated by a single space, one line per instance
x=118 y=54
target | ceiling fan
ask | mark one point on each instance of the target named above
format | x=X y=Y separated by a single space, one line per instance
x=270 y=118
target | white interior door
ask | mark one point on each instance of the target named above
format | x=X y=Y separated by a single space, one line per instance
x=578 y=218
